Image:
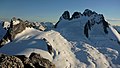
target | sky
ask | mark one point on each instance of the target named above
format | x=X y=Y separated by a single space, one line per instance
x=51 y=10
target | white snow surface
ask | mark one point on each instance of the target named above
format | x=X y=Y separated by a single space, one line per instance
x=30 y=40
x=6 y=24
x=97 y=43
x=72 y=49
x=16 y=22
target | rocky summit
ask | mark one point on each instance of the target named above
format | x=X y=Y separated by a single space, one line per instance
x=20 y=61
x=81 y=40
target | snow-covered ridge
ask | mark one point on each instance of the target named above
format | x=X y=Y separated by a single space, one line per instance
x=91 y=28
x=30 y=40
x=89 y=21
x=85 y=40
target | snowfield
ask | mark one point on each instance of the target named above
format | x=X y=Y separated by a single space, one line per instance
x=30 y=40
x=70 y=47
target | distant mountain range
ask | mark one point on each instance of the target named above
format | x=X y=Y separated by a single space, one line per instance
x=84 y=40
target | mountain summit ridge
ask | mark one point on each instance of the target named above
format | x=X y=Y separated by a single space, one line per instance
x=84 y=40
x=88 y=19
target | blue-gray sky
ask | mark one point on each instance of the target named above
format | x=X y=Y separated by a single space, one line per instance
x=51 y=10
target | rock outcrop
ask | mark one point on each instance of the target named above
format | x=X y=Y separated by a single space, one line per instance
x=21 y=61
x=40 y=62
x=10 y=62
x=88 y=12
x=36 y=25
x=66 y=15
x=49 y=46
x=87 y=27
x=75 y=15
x=91 y=17
x=16 y=26
x=105 y=24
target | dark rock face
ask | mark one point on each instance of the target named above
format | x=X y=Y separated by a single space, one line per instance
x=89 y=24
x=21 y=61
x=36 y=25
x=40 y=62
x=15 y=29
x=10 y=62
x=86 y=28
x=12 y=31
x=28 y=24
x=94 y=18
x=26 y=61
x=49 y=46
x=56 y=24
x=88 y=12
x=75 y=15
x=105 y=25
x=66 y=15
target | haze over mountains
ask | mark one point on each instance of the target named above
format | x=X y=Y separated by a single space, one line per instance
x=84 y=40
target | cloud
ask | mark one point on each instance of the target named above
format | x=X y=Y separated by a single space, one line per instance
x=113 y=20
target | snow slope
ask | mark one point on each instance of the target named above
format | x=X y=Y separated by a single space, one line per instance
x=98 y=42
x=71 y=47
x=82 y=56
x=30 y=40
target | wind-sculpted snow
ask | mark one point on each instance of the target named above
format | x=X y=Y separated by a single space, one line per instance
x=89 y=55
x=85 y=41
x=31 y=40
x=102 y=38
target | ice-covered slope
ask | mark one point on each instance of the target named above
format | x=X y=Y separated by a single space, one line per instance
x=31 y=40
x=91 y=28
x=85 y=40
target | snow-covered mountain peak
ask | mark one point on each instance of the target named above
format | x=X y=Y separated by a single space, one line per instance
x=76 y=15
x=89 y=12
x=84 y=40
x=15 y=21
x=65 y=16
x=83 y=18
x=88 y=24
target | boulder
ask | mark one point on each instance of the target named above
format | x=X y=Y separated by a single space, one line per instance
x=10 y=62
x=40 y=62
x=21 y=61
